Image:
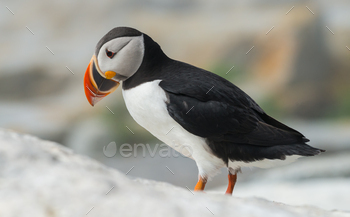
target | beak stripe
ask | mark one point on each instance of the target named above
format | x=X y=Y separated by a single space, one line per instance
x=96 y=86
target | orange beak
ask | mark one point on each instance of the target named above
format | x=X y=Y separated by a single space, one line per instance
x=96 y=84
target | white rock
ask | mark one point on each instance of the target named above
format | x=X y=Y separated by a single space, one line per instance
x=40 y=178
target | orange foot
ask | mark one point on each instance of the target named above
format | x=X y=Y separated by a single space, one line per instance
x=200 y=184
x=231 y=183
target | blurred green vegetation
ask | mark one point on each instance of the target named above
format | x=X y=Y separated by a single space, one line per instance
x=342 y=107
x=234 y=75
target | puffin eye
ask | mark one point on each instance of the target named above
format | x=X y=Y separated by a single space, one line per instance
x=110 y=54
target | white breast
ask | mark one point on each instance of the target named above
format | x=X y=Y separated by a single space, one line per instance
x=147 y=105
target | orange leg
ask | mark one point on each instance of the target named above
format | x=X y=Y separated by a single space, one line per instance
x=231 y=183
x=200 y=184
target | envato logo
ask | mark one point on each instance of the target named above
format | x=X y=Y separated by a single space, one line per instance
x=163 y=150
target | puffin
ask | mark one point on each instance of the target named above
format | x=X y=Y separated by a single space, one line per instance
x=196 y=112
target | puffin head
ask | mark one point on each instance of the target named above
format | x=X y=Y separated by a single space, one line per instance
x=118 y=55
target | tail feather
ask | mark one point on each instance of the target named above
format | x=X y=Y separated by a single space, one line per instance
x=249 y=153
x=298 y=149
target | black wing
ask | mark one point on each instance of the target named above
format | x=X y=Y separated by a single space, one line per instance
x=235 y=127
x=211 y=107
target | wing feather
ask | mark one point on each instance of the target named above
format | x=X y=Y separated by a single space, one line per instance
x=220 y=111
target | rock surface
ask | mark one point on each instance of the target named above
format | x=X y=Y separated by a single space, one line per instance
x=42 y=178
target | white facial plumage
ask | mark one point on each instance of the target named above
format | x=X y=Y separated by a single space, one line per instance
x=129 y=52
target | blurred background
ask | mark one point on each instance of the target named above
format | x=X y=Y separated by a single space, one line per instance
x=291 y=56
